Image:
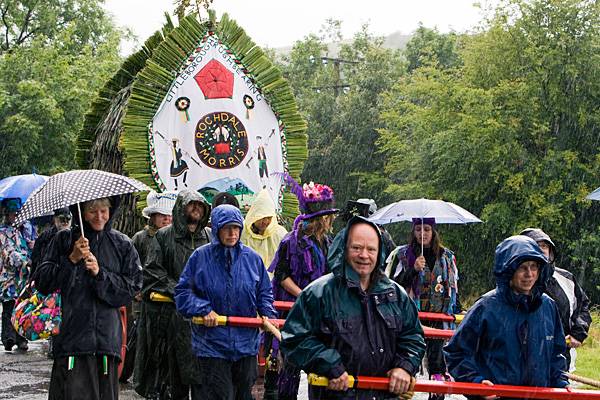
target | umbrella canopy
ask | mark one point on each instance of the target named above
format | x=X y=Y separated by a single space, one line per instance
x=595 y=195
x=444 y=212
x=68 y=188
x=20 y=186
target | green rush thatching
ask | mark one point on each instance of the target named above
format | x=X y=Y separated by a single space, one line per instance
x=128 y=102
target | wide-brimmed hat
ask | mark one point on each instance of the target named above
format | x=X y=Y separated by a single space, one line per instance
x=161 y=203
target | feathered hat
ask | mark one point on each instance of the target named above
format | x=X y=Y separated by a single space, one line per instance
x=314 y=199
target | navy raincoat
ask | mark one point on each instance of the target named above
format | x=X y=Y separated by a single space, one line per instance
x=509 y=338
x=230 y=281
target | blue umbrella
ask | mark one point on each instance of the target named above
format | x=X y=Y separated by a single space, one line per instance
x=595 y=195
x=20 y=186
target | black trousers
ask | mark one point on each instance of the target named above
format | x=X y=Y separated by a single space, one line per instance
x=86 y=380
x=9 y=335
x=436 y=364
x=227 y=380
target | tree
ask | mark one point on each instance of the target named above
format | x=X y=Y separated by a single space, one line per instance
x=429 y=47
x=47 y=82
x=342 y=128
x=510 y=133
x=22 y=21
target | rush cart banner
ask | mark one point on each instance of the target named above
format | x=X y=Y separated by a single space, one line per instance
x=214 y=131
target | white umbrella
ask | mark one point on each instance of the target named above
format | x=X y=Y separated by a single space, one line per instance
x=444 y=212
x=595 y=195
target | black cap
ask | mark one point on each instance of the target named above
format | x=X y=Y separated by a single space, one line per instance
x=225 y=198
x=63 y=212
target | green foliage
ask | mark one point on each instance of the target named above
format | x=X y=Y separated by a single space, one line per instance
x=427 y=47
x=342 y=121
x=46 y=86
x=510 y=132
x=23 y=21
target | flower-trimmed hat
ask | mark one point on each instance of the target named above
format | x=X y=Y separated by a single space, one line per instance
x=314 y=199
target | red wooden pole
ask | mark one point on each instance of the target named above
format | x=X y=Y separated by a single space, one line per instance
x=423 y=316
x=255 y=322
x=524 y=392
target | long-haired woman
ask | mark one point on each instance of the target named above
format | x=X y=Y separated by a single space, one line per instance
x=427 y=271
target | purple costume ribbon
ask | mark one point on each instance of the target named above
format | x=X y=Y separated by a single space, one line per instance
x=306 y=260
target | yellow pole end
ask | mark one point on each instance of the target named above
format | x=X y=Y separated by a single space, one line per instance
x=316 y=380
x=154 y=296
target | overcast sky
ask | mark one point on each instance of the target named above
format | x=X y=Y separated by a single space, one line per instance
x=279 y=23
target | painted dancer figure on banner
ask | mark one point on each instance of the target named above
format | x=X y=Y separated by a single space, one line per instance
x=178 y=165
x=262 y=161
x=222 y=138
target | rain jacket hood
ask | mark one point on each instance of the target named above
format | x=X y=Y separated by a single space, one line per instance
x=265 y=245
x=261 y=208
x=223 y=215
x=510 y=253
x=184 y=198
x=337 y=253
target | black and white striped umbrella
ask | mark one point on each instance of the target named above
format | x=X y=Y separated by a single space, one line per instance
x=72 y=187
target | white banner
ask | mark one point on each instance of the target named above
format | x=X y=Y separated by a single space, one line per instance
x=215 y=132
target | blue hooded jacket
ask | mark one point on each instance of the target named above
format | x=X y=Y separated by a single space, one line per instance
x=230 y=281
x=511 y=338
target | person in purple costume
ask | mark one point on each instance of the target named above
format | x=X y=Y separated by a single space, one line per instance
x=300 y=259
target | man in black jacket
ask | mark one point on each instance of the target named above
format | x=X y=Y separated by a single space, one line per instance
x=164 y=347
x=96 y=274
x=573 y=304
x=60 y=221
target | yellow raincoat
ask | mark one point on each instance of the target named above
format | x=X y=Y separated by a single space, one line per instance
x=266 y=244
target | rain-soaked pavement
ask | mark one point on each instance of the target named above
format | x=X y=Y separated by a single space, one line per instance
x=26 y=375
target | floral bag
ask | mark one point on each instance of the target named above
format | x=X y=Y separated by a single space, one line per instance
x=37 y=316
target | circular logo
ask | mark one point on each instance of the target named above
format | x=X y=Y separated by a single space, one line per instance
x=221 y=140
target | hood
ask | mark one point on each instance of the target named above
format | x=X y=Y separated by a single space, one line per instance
x=336 y=258
x=262 y=207
x=539 y=236
x=179 y=221
x=223 y=215
x=510 y=253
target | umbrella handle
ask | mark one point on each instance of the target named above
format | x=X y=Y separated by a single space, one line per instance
x=80 y=220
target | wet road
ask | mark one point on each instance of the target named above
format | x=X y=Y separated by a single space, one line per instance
x=26 y=375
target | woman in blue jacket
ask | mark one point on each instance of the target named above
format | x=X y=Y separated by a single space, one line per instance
x=227 y=278
x=513 y=334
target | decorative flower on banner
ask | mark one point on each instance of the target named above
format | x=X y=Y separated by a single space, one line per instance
x=215 y=80
x=183 y=104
